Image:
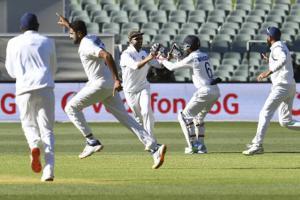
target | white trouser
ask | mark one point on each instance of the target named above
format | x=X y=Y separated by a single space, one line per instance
x=37 y=117
x=196 y=110
x=89 y=95
x=201 y=102
x=281 y=97
x=140 y=104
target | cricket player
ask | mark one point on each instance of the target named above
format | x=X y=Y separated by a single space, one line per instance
x=102 y=83
x=31 y=60
x=135 y=64
x=282 y=93
x=191 y=119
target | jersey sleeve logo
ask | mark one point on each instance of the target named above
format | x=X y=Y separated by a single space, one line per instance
x=97 y=41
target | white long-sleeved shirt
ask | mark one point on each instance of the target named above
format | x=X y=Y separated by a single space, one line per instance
x=280 y=63
x=95 y=68
x=31 y=60
x=134 y=79
x=199 y=63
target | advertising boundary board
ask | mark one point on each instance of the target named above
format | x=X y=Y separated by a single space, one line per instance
x=238 y=102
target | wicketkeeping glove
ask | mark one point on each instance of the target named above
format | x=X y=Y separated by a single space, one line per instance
x=155 y=48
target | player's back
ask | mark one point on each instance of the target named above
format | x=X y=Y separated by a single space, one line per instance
x=29 y=57
x=202 y=72
x=285 y=75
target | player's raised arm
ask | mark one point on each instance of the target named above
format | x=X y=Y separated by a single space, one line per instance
x=63 y=21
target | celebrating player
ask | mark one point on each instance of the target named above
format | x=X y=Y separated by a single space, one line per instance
x=191 y=119
x=30 y=58
x=135 y=64
x=282 y=92
x=103 y=81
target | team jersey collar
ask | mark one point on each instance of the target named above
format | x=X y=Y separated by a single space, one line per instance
x=29 y=32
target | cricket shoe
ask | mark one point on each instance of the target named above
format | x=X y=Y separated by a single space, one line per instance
x=47 y=177
x=159 y=156
x=36 y=165
x=91 y=148
x=201 y=149
x=193 y=150
x=197 y=148
x=189 y=150
x=254 y=149
x=48 y=174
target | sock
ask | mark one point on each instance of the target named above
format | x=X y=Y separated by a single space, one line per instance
x=90 y=138
x=152 y=151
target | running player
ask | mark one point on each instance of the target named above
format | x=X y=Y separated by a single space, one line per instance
x=282 y=93
x=102 y=83
x=135 y=64
x=31 y=59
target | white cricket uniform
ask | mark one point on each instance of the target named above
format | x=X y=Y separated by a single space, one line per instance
x=31 y=59
x=206 y=94
x=282 y=92
x=100 y=88
x=203 y=99
x=136 y=87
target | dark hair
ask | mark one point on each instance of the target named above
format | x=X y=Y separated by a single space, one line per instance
x=29 y=21
x=80 y=26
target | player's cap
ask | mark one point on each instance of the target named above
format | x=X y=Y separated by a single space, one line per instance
x=133 y=34
x=28 y=21
x=191 y=41
x=274 y=32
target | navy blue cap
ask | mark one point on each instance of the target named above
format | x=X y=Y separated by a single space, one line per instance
x=274 y=32
x=28 y=21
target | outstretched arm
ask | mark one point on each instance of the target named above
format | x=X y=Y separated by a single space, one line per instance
x=184 y=63
x=63 y=21
x=128 y=61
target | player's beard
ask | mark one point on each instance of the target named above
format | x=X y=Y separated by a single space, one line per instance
x=138 y=46
x=76 y=40
x=269 y=43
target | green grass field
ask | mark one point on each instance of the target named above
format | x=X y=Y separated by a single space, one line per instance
x=123 y=170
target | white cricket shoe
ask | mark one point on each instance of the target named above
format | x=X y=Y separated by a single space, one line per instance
x=47 y=177
x=48 y=174
x=254 y=149
x=188 y=150
x=159 y=156
x=201 y=149
x=91 y=148
x=194 y=150
x=197 y=148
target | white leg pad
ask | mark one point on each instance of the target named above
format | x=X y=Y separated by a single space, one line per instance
x=188 y=128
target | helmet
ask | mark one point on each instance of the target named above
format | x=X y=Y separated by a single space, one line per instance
x=191 y=42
